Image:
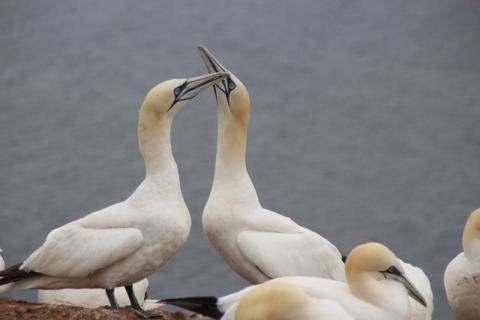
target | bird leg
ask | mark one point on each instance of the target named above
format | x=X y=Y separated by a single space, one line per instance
x=111 y=298
x=135 y=306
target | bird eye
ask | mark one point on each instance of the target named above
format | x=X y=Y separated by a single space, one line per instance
x=231 y=84
x=177 y=91
x=393 y=270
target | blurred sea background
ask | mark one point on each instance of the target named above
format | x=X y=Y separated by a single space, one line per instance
x=364 y=123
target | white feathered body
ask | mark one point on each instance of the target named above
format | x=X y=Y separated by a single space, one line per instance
x=421 y=282
x=462 y=285
x=336 y=296
x=260 y=244
x=2 y=262
x=116 y=246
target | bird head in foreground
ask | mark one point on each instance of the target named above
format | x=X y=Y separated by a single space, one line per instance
x=373 y=266
x=231 y=94
x=273 y=300
x=471 y=235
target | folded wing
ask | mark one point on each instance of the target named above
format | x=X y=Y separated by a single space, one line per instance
x=291 y=254
x=76 y=251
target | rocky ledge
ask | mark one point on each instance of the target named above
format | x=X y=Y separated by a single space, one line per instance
x=20 y=310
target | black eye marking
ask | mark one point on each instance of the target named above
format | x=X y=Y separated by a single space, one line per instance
x=393 y=270
x=177 y=91
x=231 y=84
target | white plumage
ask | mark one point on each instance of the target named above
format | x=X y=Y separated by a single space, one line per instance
x=376 y=289
x=257 y=243
x=284 y=301
x=126 y=242
x=462 y=275
x=422 y=283
x=2 y=262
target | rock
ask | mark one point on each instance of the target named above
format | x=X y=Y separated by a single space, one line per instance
x=21 y=310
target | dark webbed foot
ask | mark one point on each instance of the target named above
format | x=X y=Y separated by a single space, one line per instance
x=135 y=306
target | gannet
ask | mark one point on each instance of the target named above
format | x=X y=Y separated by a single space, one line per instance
x=92 y=298
x=462 y=275
x=285 y=301
x=2 y=262
x=128 y=241
x=257 y=243
x=376 y=288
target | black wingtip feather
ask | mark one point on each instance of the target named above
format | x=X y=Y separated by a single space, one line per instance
x=206 y=306
x=14 y=274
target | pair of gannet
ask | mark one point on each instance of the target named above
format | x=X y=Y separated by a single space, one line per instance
x=376 y=289
x=462 y=275
x=126 y=242
x=257 y=243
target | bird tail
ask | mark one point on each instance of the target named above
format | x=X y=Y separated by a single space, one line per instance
x=14 y=274
x=206 y=306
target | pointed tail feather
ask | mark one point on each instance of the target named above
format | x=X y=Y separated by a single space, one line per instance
x=14 y=274
x=206 y=306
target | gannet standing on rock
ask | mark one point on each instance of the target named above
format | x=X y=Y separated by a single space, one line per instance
x=257 y=243
x=462 y=275
x=376 y=288
x=130 y=240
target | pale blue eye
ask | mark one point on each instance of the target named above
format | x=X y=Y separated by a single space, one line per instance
x=177 y=91
x=231 y=85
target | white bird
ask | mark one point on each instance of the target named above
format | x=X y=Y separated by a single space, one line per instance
x=92 y=298
x=462 y=275
x=257 y=243
x=128 y=241
x=2 y=262
x=376 y=288
x=284 y=301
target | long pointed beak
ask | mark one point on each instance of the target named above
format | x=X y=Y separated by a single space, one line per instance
x=193 y=86
x=412 y=291
x=212 y=63
x=227 y=85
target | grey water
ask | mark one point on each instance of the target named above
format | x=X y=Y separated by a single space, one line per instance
x=364 y=123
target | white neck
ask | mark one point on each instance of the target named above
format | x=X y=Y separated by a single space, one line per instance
x=471 y=244
x=231 y=178
x=156 y=149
